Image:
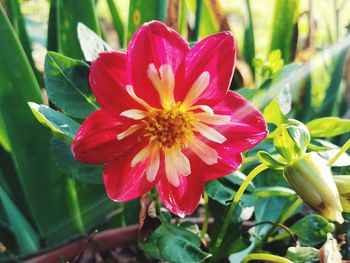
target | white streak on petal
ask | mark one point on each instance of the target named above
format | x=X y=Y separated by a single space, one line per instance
x=207 y=154
x=164 y=82
x=197 y=88
x=171 y=171
x=213 y=119
x=129 y=131
x=204 y=108
x=140 y=156
x=153 y=165
x=134 y=114
x=152 y=74
x=168 y=83
x=209 y=132
x=183 y=164
x=131 y=92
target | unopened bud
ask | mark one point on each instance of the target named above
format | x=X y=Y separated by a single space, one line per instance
x=311 y=179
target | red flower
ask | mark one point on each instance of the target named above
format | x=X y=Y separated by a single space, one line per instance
x=167 y=117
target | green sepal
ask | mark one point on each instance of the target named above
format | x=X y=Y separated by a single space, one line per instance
x=270 y=161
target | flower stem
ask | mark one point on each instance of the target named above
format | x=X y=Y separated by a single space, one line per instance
x=206 y=216
x=257 y=170
x=264 y=256
x=342 y=150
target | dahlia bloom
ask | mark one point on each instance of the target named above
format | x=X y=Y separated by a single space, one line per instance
x=167 y=118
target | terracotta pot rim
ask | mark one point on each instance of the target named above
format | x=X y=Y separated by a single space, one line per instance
x=101 y=241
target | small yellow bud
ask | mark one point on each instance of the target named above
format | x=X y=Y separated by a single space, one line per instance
x=343 y=184
x=311 y=179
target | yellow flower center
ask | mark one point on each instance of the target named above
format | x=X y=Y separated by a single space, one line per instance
x=169 y=127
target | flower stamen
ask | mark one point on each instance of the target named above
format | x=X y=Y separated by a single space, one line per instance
x=169 y=127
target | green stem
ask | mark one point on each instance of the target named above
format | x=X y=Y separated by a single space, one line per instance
x=257 y=170
x=198 y=20
x=290 y=210
x=206 y=216
x=342 y=150
x=264 y=256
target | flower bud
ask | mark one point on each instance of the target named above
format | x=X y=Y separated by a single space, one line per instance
x=311 y=178
x=291 y=139
x=343 y=184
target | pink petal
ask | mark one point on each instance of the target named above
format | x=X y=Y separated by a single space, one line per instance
x=223 y=167
x=124 y=183
x=96 y=140
x=184 y=199
x=108 y=80
x=247 y=127
x=154 y=43
x=215 y=54
x=227 y=163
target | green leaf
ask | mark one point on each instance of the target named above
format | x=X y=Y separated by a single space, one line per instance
x=270 y=161
x=312 y=229
x=140 y=12
x=283 y=79
x=284 y=22
x=239 y=256
x=67 y=84
x=117 y=22
x=26 y=237
x=4 y=140
x=237 y=179
x=328 y=127
x=58 y=122
x=182 y=19
x=174 y=244
x=271 y=208
x=333 y=91
x=69 y=14
x=249 y=42
x=66 y=161
x=219 y=192
x=52 y=27
x=343 y=160
x=208 y=23
x=91 y=44
x=302 y=254
x=18 y=23
x=37 y=176
x=273 y=113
